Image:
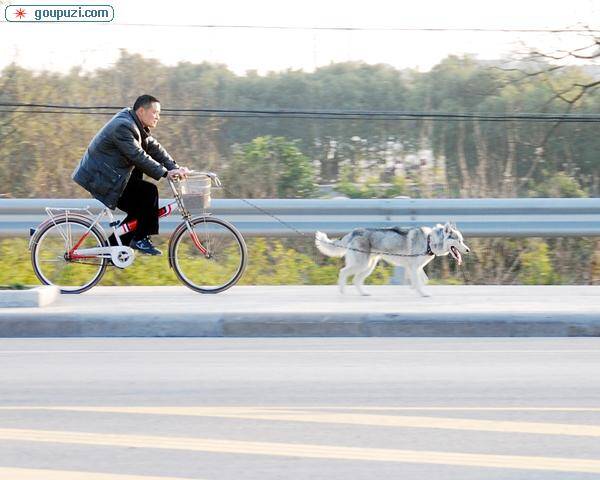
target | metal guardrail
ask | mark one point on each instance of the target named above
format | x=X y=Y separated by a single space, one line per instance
x=515 y=217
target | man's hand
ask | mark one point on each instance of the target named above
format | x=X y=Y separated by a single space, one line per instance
x=181 y=172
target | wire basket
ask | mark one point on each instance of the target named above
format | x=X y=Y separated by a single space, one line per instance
x=195 y=191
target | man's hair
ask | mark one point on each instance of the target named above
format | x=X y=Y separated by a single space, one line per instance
x=144 y=101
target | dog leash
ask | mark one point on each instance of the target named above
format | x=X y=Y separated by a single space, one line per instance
x=302 y=234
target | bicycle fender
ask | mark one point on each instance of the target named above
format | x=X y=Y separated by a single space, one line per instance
x=174 y=235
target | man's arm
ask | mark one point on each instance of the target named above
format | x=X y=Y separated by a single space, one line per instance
x=129 y=145
x=158 y=153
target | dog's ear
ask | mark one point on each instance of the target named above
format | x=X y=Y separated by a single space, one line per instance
x=447 y=227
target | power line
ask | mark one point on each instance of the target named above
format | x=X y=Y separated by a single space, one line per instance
x=68 y=112
x=571 y=119
x=330 y=117
x=46 y=105
x=362 y=29
x=6 y=107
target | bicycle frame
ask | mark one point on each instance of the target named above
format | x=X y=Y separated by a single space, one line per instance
x=103 y=252
x=118 y=230
x=165 y=211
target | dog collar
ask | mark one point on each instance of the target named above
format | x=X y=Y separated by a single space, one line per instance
x=429 y=252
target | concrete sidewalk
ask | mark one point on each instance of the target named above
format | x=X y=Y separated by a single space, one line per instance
x=451 y=311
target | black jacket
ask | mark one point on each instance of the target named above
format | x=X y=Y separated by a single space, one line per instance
x=119 y=147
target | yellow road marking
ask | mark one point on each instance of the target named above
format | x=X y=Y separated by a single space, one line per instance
x=452 y=409
x=306 y=450
x=44 y=474
x=399 y=421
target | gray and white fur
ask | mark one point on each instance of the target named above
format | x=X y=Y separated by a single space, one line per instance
x=411 y=248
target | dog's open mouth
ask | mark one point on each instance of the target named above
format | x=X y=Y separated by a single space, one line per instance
x=456 y=254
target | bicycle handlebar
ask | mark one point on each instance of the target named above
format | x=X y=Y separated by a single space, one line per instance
x=213 y=176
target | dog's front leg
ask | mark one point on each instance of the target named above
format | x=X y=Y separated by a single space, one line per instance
x=416 y=280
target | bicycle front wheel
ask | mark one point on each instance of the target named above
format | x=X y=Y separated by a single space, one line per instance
x=50 y=259
x=210 y=256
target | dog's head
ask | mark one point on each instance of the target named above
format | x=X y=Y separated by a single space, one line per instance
x=453 y=242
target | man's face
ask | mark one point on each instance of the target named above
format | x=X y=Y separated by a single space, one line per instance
x=149 y=116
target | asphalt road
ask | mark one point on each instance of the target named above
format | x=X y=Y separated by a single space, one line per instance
x=378 y=408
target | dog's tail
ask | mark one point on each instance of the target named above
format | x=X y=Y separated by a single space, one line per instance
x=331 y=248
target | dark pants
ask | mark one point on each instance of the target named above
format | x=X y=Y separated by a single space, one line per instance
x=140 y=201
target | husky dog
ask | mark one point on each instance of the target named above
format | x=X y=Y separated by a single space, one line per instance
x=411 y=248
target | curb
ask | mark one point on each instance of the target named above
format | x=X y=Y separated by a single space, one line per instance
x=545 y=324
x=29 y=297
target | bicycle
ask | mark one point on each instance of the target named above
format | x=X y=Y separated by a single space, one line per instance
x=71 y=249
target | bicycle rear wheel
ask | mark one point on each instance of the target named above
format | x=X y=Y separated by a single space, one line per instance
x=219 y=266
x=49 y=255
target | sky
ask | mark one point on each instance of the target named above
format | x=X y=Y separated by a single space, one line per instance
x=166 y=33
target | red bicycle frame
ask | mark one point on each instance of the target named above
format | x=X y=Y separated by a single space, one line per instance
x=131 y=226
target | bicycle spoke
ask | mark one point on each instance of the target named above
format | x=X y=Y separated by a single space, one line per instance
x=49 y=256
x=222 y=266
x=64 y=235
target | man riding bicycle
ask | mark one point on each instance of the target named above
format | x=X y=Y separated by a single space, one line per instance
x=113 y=165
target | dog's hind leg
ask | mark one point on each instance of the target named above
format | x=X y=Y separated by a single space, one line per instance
x=357 y=260
x=347 y=271
x=359 y=278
